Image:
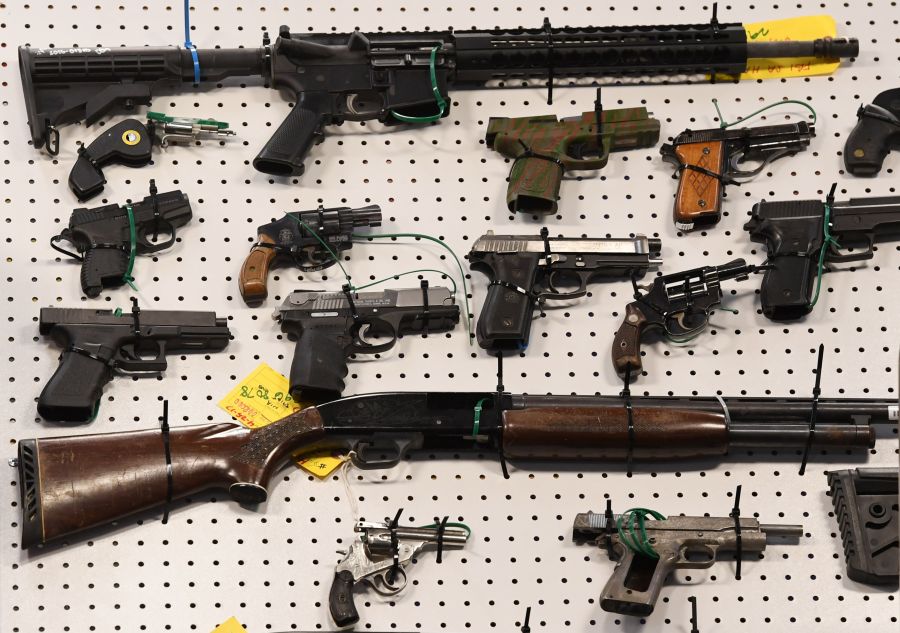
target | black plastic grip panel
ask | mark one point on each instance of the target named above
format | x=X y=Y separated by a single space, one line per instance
x=103 y=268
x=73 y=391
x=505 y=319
x=877 y=132
x=319 y=366
x=285 y=151
x=787 y=287
x=340 y=600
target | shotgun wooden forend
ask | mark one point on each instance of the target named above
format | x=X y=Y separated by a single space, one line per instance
x=698 y=202
x=254 y=278
x=602 y=433
x=69 y=484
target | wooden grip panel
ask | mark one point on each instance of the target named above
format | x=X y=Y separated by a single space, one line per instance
x=254 y=277
x=699 y=198
x=594 y=433
x=626 y=347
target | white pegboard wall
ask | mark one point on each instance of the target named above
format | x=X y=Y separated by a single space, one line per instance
x=271 y=568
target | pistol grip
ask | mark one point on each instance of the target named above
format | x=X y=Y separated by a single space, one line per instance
x=534 y=185
x=340 y=599
x=505 y=319
x=869 y=144
x=626 y=347
x=72 y=393
x=318 y=368
x=787 y=287
x=254 y=278
x=103 y=268
x=635 y=584
x=698 y=202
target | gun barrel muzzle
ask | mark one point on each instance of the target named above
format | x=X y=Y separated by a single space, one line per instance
x=823 y=48
x=781 y=529
x=367 y=216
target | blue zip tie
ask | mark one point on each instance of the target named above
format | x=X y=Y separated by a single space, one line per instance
x=187 y=40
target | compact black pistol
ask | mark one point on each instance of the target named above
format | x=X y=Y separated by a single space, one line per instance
x=802 y=236
x=108 y=238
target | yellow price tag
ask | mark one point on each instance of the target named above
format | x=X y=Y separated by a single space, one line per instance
x=319 y=465
x=805 y=28
x=231 y=625
x=261 y=398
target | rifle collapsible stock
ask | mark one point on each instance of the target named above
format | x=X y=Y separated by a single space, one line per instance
x=69 y=484
x=389 y=77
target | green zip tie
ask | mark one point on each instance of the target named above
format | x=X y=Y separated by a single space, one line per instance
x=462 y=526
x=132 y=248
x=631 y=540
x=723 y=124
x=441 y=104
x=408 y=272
x=117 y=312
x=363 y=237
x=476 y=422
x=828 y=241
x=159 y=117
x=462 y=274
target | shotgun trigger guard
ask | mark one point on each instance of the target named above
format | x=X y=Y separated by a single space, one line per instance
x=394 y=447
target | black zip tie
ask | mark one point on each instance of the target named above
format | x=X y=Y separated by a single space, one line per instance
x=348 y=292
x=155 y=202
x=525 y=628
x=714 y=22
x=693 y=601
x=739 y=544
x=440 y=538
x=395 y=547
x=135 y=317
x=51 y=133
x=814 y=410
x=499 y=399
x=598 y=115
x=629 y=412
x=610 y=520
x=549 y=35
x=164 y=429
x=58 y=238
x=424 y=285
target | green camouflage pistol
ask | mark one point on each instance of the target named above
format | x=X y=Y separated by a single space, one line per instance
x=543 y=149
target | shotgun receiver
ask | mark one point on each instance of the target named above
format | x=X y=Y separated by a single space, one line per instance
x=77 y=490
x=395 y=78
x=707 y=160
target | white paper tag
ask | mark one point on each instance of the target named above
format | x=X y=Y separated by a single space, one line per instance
x=894 y=412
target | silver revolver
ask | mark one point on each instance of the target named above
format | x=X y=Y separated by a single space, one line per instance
x=379 y=554
x=681 y=542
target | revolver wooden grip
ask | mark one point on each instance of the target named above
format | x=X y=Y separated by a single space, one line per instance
x=698 y=202
x=626 y=347
x=255 y=271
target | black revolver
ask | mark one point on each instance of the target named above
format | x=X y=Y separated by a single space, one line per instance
x=679 y=304
x=330 y=326
x=877 y=132
x=98 y=343
x=803 y=235
x=107 y=238
x=527 y=270
x=707 y=160
x=309 y=239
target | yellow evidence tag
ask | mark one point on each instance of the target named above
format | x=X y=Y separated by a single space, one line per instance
x=231 y=625
x=319 y=465
x=261 y=398
x=805 y=28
